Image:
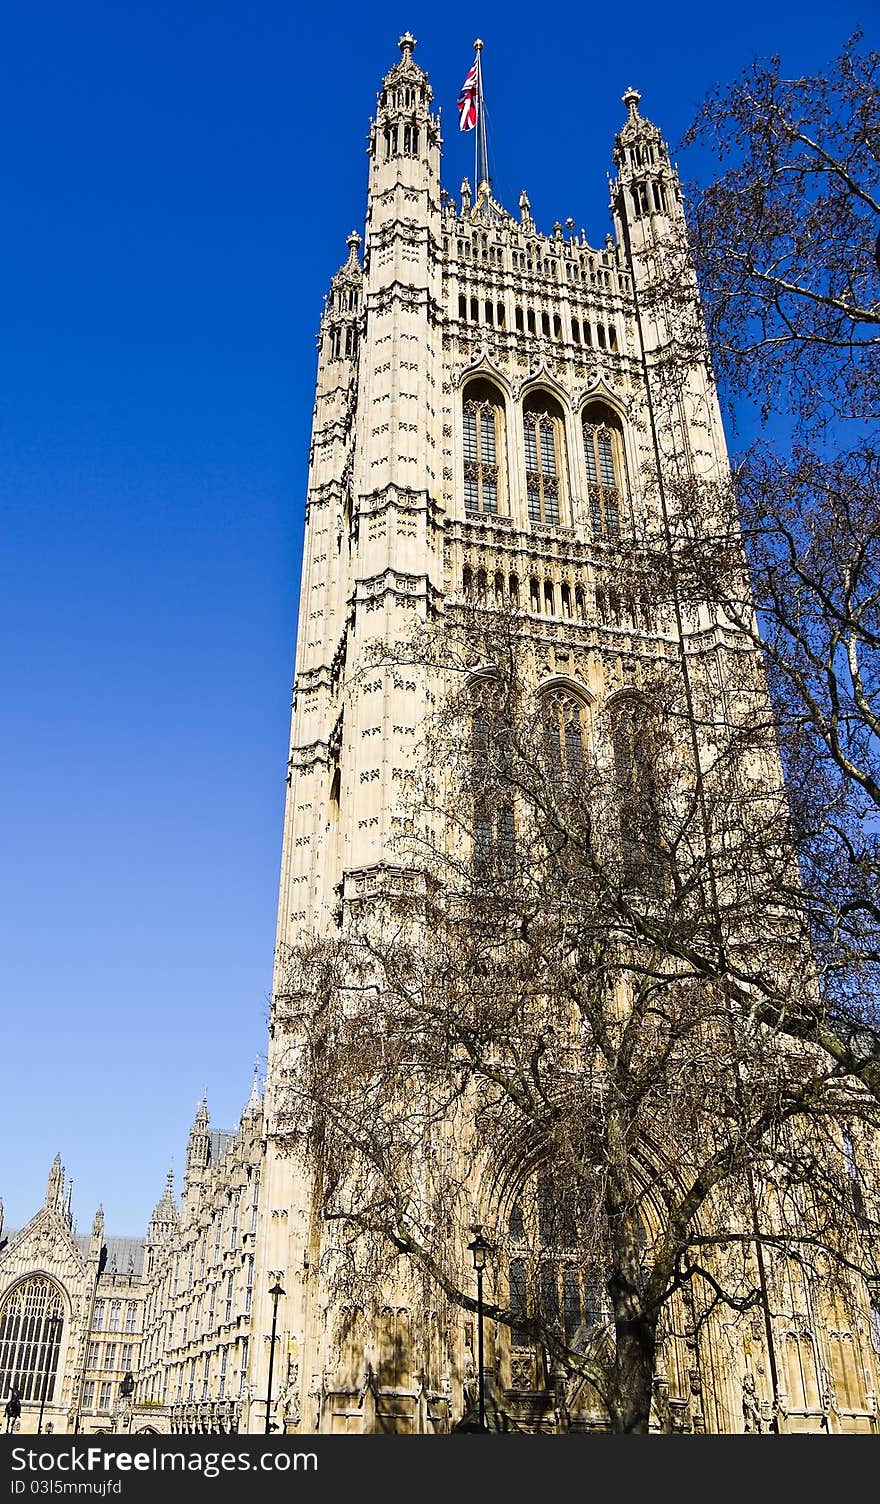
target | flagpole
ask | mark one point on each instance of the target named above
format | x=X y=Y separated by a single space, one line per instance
x=481 y=125
x=478 y=46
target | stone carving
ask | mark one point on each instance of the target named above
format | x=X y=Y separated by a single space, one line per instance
x=753 y=1421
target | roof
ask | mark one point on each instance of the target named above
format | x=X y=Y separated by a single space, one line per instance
x=220 y=1142
x=119 y=1251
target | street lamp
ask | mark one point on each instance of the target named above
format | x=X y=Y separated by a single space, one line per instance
x=13 y=1410
x=478 y=1249
x=276 y=1293
x=53 y=1325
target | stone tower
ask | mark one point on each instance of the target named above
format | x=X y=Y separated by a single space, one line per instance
x=492 y=422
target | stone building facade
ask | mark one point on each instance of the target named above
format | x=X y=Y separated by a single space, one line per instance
x=171 y=1312
x=483 y=430
x=486 y=429
x=71 y=1318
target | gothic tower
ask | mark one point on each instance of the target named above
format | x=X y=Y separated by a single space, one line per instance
x=493 y=422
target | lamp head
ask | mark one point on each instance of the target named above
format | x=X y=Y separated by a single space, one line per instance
x=478 y=1249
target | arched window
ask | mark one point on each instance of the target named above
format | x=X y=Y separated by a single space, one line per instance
x=30 y=1340
x=483 y=439
x=603 y=456
x=552 y=1279
x=494 y=829
x=543 y=436
x=564 y=715
x=638 y=807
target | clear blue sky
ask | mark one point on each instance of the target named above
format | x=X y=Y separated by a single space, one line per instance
x=177 y=184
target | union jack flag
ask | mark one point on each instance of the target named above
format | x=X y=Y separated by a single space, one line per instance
x=467 y=102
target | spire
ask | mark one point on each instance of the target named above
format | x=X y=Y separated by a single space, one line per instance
x=631 y=100
x=352 y=241
x=55 y=1187
x=164 y=1217
x=254 y=1104
x=199 y=1146
x=639 y=142
x=406 y=43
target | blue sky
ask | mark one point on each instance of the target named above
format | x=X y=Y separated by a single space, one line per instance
x=177 y=185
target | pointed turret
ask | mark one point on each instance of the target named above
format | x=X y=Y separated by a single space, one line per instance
x=254 y=1104
x=165 y=1218
x=199 y=1145
x=163 y=1224
x=342 y=311
x=646 y=197
x=55 y=1187
x=97 y=1250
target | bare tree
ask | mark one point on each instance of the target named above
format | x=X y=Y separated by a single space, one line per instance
x=785 y=242
x=551 y=1026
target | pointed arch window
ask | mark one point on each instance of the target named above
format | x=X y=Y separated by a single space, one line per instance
x=603 y=457
x=636 y=788
x=550 y=1282
x=494 y=831
x=483 y=448
x=31 y=1323
x=544 y=442
x=565 y=733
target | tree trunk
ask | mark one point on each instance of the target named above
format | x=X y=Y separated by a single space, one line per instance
x=636 y=1338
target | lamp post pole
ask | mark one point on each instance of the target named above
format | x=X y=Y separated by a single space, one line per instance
x=276 y=1292
x=479 y=1248
x=52 y=1326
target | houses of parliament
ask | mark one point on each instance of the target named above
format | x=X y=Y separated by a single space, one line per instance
x=479 y=438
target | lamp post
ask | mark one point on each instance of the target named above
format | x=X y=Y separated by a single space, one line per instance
x=478 y=1249
x=53 y=1325
x=276 y=1293
x=13 y=1410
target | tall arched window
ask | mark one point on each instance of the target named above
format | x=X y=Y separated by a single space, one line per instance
x=565 y=731
x=483 y=441
x=638 y=806
x=30 y=1340
x=543 y=437
x=603 y=456
x=555 y=1270
x=494 y=830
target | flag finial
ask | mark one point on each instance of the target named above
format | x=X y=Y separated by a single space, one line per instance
x=478 y=46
